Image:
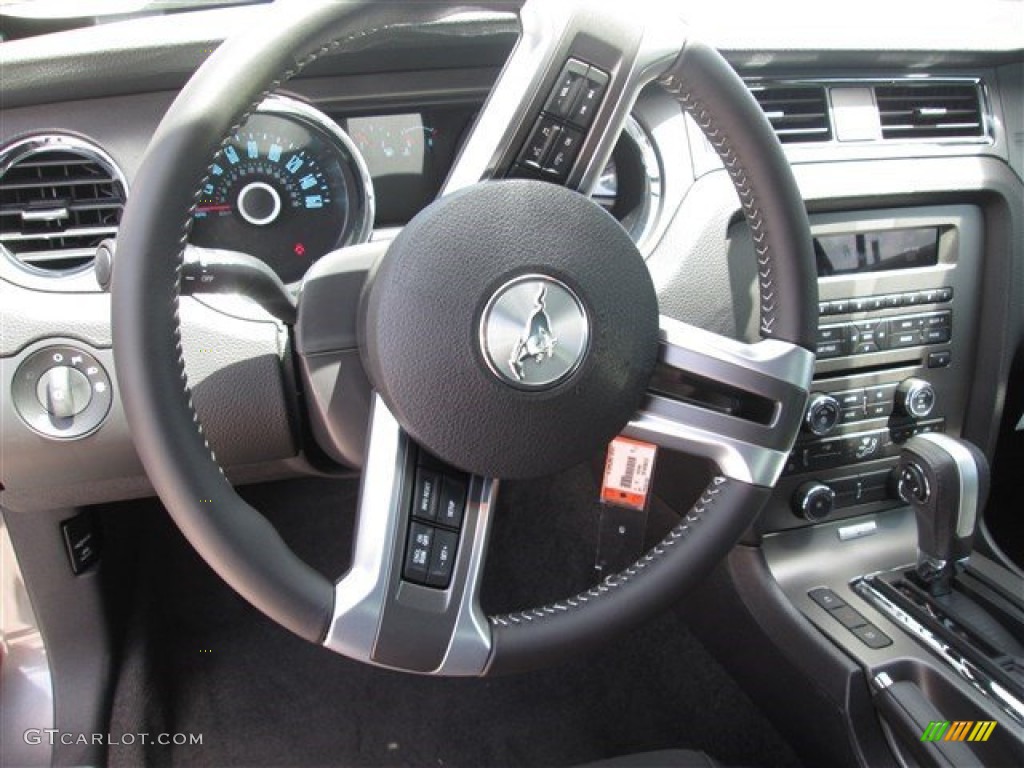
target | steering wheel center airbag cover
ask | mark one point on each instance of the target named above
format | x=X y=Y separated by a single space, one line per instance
x=512 y=328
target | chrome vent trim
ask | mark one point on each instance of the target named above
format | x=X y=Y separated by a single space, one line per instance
x=798 y=113
x=59 y=197
x=930 y=110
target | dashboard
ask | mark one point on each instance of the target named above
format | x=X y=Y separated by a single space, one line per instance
x=906 y=140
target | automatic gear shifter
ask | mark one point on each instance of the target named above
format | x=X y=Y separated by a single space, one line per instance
x=946 y=481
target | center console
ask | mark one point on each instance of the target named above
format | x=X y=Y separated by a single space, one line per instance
x=897 y=334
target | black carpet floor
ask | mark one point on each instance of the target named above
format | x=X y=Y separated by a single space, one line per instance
x=196 y=659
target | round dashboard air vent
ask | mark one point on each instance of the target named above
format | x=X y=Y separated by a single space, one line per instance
x=59 y=197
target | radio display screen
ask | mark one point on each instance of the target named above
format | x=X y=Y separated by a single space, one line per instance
x=876 y=251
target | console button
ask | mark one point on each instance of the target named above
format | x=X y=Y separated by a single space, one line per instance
x=854 y=398
x=848 y=617
x=940 y=359
x=839 y=307
x=860 y=304
x=570 y=81
x=945 y=294
x=937 y=335
x=417 y=552
x=850 y=415
x=831 y=349
x=826 y=598
x=905 y=339
x=864 y=447
x=930 y=296
x=544 y=134
x=453 y=502
x=831 y=333
x=847 y=491
x=589 y=98
x=878 y=410
x=911 y=298
x=905 y=324
x=824 y=308
x=938 y=320
x=824 y=455
x=442 y=559
x=882 y=393
x=874 y=486
x=892 y=300
x=872 y=636
x=563 y=152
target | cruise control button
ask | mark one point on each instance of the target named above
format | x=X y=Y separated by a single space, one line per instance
x=544 y=133
x=453 y=502
x=442 y=559
x=589 y=98
x=426 y=492
x=417 y=552
x=570 y=81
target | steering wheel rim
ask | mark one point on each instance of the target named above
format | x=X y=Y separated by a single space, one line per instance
x=245 y=550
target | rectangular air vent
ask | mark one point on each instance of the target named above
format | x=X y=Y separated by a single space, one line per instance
x=798 y=113
x=930 y=111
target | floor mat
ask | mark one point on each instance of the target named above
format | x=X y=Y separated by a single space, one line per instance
x=198 y=660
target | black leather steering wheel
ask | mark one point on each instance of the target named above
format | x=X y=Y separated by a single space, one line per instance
x=470 y=254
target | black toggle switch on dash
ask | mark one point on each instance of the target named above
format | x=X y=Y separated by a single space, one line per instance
x=81 y=541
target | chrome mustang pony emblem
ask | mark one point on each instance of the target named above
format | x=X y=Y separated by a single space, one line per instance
x=536 y=341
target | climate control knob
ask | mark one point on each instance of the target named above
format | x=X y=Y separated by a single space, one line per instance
x=813 y=501
x=823 y=412
x=915 y=398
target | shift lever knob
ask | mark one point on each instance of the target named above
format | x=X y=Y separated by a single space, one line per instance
x=946 y=481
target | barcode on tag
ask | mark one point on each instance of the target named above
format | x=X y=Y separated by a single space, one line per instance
x=627 y=473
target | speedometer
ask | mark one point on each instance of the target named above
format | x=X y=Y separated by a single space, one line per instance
x=287 y=187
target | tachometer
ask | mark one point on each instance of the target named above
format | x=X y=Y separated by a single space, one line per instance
x=288 y=187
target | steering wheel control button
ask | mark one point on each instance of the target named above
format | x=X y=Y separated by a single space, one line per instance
x=534 y=332
x=589 y=98
x=425 y=495
x=563 y=153
x=570 y=82
x=62 y=392
x=442 y=559
x=511 y=329
x=543 y=136
x=417 y=553
x=452 y=507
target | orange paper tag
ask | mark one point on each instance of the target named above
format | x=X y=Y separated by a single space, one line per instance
x=627 y=473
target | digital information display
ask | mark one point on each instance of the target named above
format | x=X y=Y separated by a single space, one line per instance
x=876 y=251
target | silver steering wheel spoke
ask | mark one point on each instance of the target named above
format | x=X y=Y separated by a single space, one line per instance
x=385 y=614
x=739 y=405
x=601 y=54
